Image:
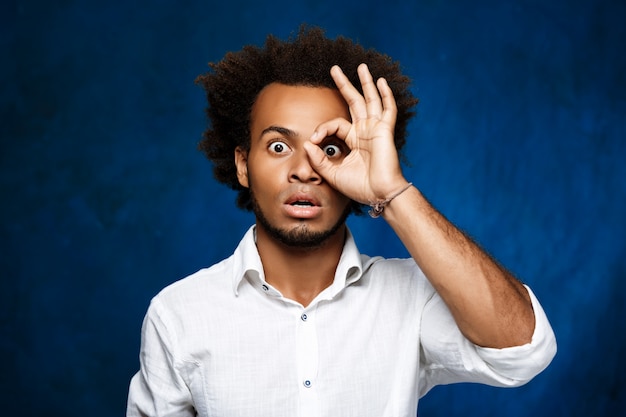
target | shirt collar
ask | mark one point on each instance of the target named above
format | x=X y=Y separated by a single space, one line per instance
x=247 y=262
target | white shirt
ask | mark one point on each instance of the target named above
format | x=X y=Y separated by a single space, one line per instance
x=223 y=342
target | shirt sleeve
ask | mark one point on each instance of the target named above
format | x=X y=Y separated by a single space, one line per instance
x=448 y=357
x=158 y=389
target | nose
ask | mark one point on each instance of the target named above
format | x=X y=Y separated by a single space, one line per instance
x=301 y=169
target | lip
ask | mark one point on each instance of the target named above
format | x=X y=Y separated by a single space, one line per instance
x=302 y=196
x=312 y=210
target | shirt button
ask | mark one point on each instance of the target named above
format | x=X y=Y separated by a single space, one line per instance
x=304 y=317
x=265 y=288
x=307 y=383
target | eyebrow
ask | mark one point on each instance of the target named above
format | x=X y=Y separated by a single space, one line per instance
x=279 y=129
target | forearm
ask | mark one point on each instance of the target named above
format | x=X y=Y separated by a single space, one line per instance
x=490 y=306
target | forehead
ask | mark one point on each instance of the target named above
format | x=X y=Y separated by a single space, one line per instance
x=296 y=107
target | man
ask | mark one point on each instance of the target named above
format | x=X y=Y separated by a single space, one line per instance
x=297 y=322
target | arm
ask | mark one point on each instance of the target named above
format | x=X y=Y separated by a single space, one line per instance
x=490 y=307
x=157 y=389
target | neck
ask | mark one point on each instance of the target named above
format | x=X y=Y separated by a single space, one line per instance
x=300 y=274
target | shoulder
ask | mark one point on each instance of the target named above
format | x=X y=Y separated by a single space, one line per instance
x=210 y=289
x=401 y=268
x=400 y=274
x=198 y=290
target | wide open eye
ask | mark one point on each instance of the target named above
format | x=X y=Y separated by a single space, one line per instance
x=334 y=148
x=332 y=151
x=278 y=147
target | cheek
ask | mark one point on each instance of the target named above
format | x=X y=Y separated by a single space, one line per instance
x=264 y=171
x=345 y=202
x=262 y=180
x=339 y=200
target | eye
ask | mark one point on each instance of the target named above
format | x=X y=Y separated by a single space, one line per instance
x=278 y=147
x=333 y=150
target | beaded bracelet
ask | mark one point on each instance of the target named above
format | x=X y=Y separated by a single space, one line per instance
x=378 y=207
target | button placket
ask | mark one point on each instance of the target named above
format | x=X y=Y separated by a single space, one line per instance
x=307 y=362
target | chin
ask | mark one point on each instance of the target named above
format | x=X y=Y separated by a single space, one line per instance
x=301 y=236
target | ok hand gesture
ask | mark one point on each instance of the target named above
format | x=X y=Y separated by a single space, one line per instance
x=371 y=171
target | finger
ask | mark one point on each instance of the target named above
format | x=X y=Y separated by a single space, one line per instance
x=370 y=92
x=338 y=127
x=390 y=108
x=320 y=162
x=356 y=103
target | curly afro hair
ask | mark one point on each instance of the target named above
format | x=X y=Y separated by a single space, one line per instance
x=235 y=82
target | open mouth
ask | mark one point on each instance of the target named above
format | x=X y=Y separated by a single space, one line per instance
x=302 y=203
x=303 y=206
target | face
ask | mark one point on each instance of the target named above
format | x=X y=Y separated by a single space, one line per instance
x=291 y=201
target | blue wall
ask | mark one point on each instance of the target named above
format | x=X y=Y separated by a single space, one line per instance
x=520 y=140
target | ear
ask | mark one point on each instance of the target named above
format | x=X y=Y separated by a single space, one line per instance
x=241 y=161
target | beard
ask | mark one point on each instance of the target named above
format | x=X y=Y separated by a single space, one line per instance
x=301 y=236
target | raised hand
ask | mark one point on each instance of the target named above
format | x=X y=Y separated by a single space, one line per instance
x=371 y=171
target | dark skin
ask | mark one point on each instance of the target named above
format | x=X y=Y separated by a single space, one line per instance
x=278 y=171
x=491 y=308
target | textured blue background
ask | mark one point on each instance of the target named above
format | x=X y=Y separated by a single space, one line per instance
x=520 y=140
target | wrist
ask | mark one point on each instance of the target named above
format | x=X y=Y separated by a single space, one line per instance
x=377 y=207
